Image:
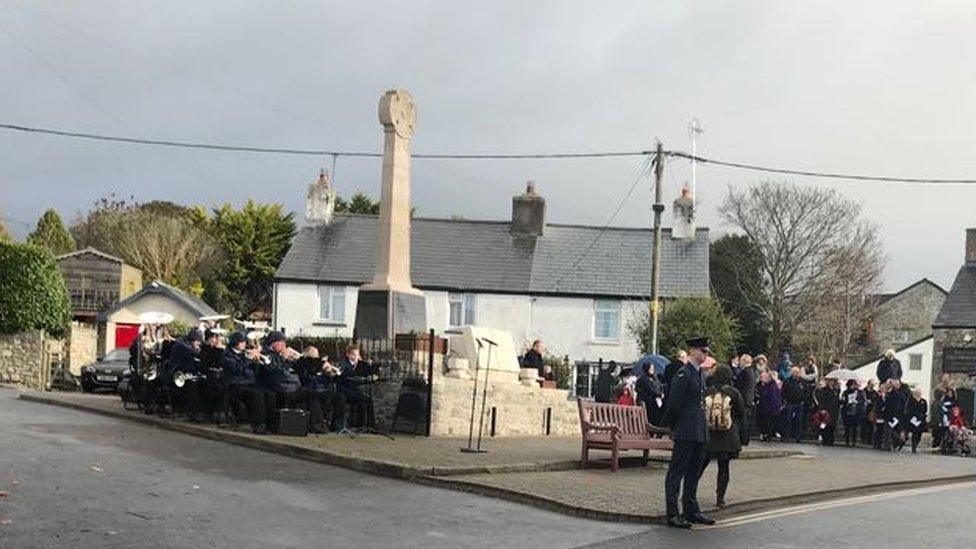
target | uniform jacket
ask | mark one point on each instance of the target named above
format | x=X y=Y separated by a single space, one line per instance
x=685 y=405
x=183 y=357
x=278 y=375
x=211 y=355
x=236 y=368
x=310 y=373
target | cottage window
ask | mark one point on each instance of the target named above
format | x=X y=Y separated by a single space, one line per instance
x=461 y=309
x=606 y=319
x=332 y=304
x=915 y=361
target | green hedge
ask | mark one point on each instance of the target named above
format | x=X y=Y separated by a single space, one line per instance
x=32 y=291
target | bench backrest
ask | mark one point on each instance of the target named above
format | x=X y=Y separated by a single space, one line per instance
x=631 y=420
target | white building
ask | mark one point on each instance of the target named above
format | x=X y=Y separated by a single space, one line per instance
x=916 y=365
x=575 y=287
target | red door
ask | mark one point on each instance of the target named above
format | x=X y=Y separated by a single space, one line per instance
x=124 y=334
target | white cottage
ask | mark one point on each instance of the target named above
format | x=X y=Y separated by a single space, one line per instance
x=574 y=286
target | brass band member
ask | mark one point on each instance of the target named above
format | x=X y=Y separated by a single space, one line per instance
x=279 y=376
x=238 y=374
x=353 y=381
x=320 y=376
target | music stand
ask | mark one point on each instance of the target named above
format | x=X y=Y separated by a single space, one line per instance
x=474 y=396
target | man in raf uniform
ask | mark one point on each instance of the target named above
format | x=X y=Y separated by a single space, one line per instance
x=690 y=434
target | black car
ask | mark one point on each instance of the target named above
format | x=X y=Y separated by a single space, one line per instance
x=106 y=372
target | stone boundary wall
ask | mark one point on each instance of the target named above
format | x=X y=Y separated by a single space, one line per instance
x=82 y=346
x=22 y=358
x=520 y=410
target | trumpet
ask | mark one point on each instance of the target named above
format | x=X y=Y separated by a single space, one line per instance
x=180 y=378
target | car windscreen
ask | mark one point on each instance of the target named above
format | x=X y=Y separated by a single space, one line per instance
x=121 y=355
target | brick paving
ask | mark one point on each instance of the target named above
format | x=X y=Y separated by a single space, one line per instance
x=542 y=470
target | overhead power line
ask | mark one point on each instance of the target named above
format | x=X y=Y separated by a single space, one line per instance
x=486 y=156
x=786 y=171
x=309 y=152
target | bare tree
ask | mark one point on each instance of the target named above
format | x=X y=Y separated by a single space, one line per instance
x=166 y=248
x=816 y=256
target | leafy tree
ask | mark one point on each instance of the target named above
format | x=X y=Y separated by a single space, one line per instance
x=737 y=283
x=252 y=241
x=51 y=234
x=360 y=203
x=160 y=238
x=683 y=319
x=32 y=291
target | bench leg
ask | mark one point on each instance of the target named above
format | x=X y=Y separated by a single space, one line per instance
x=615 y=456
x=647 y=454
x=584 y=456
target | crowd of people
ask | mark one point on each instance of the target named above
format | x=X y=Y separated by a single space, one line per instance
x=208 y=377
x=713 y=410
x=795 y=402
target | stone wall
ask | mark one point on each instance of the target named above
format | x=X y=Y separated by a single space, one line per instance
x=907 y=317
x=950 y=338
x=82 y=346
x=520 y=410
x=22 y=357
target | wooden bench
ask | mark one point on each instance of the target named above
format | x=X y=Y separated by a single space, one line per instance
x=615 y=427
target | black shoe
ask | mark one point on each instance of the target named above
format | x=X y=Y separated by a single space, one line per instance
x=678 y=522
x=720 y=502
x=699 y=518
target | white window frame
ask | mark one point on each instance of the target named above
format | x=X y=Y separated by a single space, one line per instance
x=618 y=308
x=912 y=356
x=333 y=293
x=469 y=308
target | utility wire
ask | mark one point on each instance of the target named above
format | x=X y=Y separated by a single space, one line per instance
x=312 y=152
x=645 y=169
x=363 y=154
x=856 y=177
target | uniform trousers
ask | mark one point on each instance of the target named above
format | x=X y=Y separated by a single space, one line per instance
x=684 y=470
x=261 y=404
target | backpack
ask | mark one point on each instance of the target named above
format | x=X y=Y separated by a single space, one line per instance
x=718 y=407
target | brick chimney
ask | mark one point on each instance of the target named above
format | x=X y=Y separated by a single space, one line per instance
x=528 y=212
x=971 y=245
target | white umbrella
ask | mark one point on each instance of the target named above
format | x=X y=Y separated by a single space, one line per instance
x=844 y=375
x=155 y=317
x=213 y=318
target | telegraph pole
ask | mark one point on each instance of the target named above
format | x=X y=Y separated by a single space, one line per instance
x=658 y=208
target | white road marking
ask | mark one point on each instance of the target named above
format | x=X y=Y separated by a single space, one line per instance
x=799 y=509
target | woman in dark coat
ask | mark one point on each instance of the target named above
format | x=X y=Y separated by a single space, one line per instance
x=723 y=441
x=852 y=405
x=650 y=393
x=915 y=417
x=826 y=399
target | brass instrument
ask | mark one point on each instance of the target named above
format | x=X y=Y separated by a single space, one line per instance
x=180 y=378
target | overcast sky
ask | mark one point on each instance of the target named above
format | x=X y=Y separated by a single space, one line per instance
x=879 y=87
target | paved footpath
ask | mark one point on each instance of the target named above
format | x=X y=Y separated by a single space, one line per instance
x=78 y=480
x=541 y=470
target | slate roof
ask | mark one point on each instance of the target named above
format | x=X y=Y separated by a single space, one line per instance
x=90 y=250
x=881 y=299
x=194 y=303
x=484 y=256
x=959 y=309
